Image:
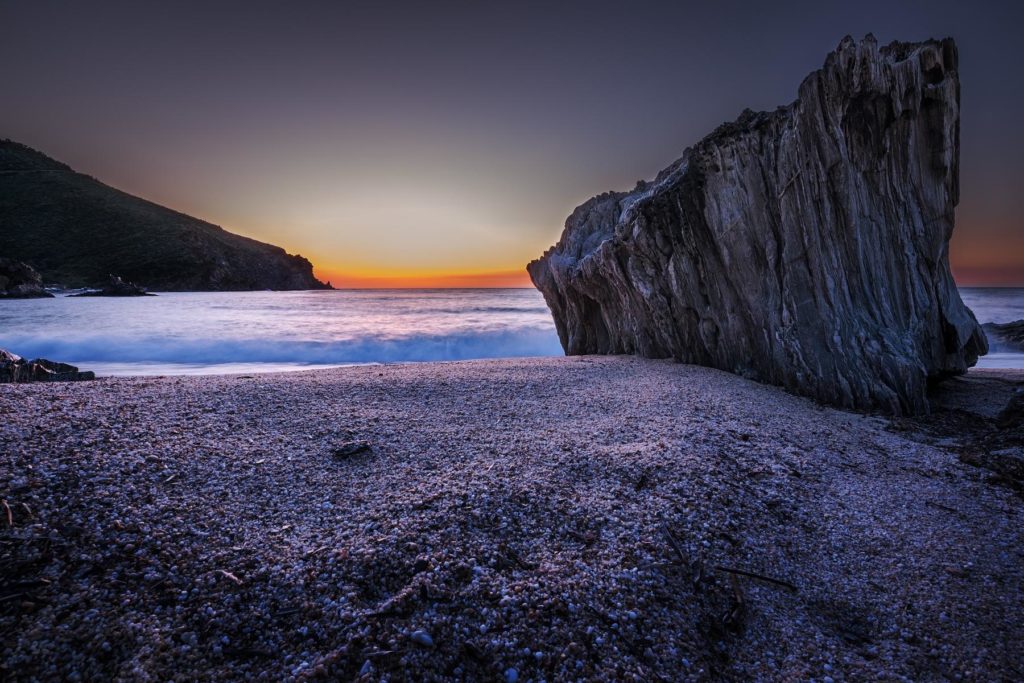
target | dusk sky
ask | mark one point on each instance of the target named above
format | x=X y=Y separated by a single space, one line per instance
x=445 y=143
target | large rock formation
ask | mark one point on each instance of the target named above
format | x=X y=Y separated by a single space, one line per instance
x=805 y=247
x=76 y=231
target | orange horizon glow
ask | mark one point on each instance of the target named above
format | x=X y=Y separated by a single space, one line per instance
x=989 y=276
x=965 y=276
x=503 y=279
x=972 y=265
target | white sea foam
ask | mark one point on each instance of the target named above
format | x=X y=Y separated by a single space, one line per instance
x=114 y=348
x=189 y=333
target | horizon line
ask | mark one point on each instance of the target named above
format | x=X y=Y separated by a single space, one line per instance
x=504 y=280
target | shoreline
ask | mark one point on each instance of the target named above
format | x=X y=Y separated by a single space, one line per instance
x=1006 y=363
x=586 y=517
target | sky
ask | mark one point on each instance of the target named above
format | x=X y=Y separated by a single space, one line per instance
x=444 y=143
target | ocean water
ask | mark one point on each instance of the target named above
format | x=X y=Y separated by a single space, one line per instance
x=996 y=305
x=243 y=332
x=229 y=332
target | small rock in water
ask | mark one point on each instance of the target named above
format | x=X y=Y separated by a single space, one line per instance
x=1006 y=336
x=422 y=638
x=14 y=368
x=511 y=675
x=116 y=286
x=348 y=449
x=20 y=281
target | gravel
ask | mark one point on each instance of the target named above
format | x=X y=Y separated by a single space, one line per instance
x=589 y=518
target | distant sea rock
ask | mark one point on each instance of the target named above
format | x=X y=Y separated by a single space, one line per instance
x=806 y=247
x=20 y=281
x=15 y=369
x=1009 y=336
x=75 y=230
x=117 y=287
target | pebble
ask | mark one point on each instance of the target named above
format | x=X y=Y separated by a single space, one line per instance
x=422 y=638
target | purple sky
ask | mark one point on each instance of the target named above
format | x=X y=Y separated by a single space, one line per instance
x=445 y=138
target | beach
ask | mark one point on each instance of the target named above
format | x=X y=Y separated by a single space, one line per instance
x=583 y=518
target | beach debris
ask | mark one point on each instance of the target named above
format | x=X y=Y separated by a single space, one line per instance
x=737 y=605
x=675 y=545
x=939 y=506
x=231 y=577
x=348 y=449
x=755 y=575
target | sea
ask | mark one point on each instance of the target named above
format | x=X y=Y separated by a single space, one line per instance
x=996 y=305
x=245 y=332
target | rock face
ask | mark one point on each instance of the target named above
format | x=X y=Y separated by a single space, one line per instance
x=20 y=281
x=805 y=247
x=1008 y=336
x=117 y=287
x=14 y=368
x=75 y=230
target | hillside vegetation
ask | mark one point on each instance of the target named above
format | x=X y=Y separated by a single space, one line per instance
x=76 y=231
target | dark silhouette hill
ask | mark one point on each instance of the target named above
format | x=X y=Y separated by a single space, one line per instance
x=76 y=231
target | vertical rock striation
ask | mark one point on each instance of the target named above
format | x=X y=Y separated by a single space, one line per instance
x=805 y=247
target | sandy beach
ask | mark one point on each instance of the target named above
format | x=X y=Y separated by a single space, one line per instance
x=588 y=518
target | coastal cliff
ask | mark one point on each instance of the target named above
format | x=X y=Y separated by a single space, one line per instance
x=76 y=231
x=805 y=247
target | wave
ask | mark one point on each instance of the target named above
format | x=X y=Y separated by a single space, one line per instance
x=478 y=309
x=505 y=343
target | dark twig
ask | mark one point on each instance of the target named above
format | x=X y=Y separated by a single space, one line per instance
x=348 y=449
x=939 y=506
x=382 y=653
x=529 y=566
x=675 y=545
x=228 y=575
x=754 y=575
x=737 y=606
